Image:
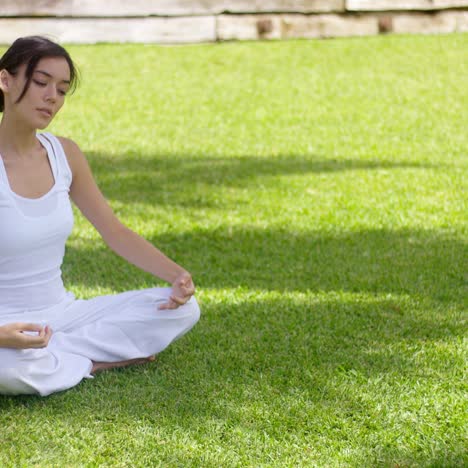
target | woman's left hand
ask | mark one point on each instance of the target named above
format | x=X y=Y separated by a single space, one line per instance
x=182 y=290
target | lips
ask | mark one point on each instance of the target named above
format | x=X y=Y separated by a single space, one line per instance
x=45 y=112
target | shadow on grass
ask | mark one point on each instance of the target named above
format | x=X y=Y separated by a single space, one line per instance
x=301 y=370
x=421 y=263
x=292 y=369
x=133 y=178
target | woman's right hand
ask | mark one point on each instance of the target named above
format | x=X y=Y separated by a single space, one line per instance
x=12 y=336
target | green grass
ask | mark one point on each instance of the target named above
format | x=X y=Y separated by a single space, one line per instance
x=317 y=192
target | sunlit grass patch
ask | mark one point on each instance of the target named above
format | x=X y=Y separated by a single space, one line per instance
x=316 y=190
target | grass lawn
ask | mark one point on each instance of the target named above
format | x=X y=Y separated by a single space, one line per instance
x=317 y=192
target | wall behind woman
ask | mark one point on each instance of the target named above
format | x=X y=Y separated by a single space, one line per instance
x=185 y=21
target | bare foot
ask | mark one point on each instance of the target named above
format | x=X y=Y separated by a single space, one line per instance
x=100 y=366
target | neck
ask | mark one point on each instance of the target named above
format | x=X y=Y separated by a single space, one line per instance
x=16 y=139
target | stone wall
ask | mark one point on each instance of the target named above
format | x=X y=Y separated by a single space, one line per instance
x=184 y=21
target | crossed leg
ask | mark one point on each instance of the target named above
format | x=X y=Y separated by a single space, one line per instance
x=94 y=335
x=100 y=366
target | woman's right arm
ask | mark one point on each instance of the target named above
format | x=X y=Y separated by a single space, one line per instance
x=12 y=336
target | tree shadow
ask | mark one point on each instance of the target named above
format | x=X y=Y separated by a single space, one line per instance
x=292 y=368
x=134 y=177
x=425 y=264
x=249 y=362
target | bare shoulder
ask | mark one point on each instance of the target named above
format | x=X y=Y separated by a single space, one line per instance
x=70 y=146
x=74 y=155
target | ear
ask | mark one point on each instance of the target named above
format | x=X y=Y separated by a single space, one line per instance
x=4 y=80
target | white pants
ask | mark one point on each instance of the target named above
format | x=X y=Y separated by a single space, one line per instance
x=103 y=329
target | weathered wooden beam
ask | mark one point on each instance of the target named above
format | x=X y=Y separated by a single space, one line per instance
x=396 y=5
x=116 y=8
x=328 y=26
x=90 y=31
x=195 y=27
x=35 y=7
x=439 y=23
x=248 y=27
x=462 y=21
x=230 y=27
x=282 y=6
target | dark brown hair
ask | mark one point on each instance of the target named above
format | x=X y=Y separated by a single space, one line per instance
x=29 y=50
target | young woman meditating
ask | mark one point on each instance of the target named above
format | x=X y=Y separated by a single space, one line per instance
x=49 y=340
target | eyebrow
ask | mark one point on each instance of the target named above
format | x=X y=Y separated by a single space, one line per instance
x=50 y=76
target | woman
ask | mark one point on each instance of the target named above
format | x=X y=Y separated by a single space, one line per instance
x=50 y=341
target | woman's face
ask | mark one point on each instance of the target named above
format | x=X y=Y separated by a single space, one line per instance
x=46 y=93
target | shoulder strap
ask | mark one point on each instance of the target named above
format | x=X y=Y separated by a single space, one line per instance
x=63 y=171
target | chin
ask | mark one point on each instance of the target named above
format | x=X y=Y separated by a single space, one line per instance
x=42 y=125
x=37 y=124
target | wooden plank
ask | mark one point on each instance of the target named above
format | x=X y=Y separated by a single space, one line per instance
x=144 y=7
x=462 y=21
x=90 y=31
x=324 y=26
x=396 y=5
x=227 y=27
x=251 y=27
x=444 y=4
x=248 y=27
x=282 y=6
x=117 y=8
x=35 y=7
x=121 y=8
x=421 y=23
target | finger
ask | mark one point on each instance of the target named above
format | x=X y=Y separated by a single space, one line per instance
x=165 y=306
x=188 y=281
x=33 y=342
x=185 y=280
x=170 y=305
x=188 y=287
x=29 y=327
x=46 y=334
x=178 y=300
x=190 y=291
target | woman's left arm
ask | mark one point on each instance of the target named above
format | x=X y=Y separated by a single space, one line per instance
x=86 y=195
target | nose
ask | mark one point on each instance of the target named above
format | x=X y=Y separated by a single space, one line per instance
x=51 y=94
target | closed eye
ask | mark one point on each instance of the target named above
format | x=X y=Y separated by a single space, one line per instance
x=42 y=85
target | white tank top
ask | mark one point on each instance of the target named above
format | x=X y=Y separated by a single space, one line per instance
x=33 y=233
